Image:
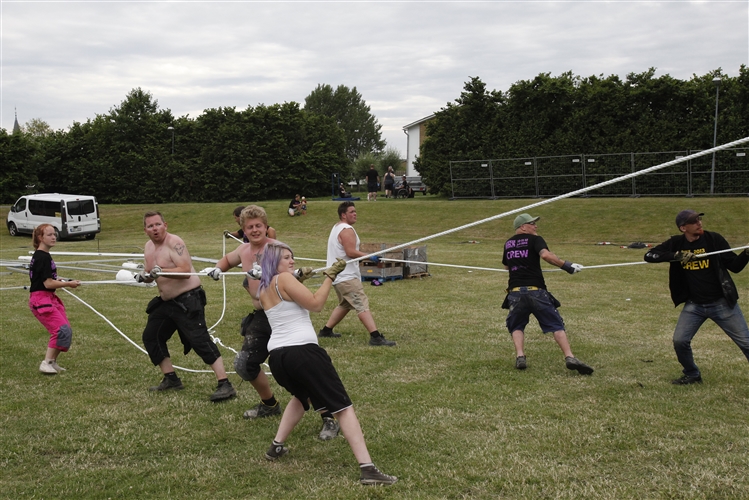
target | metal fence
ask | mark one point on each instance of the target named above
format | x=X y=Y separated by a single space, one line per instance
x=549 y=176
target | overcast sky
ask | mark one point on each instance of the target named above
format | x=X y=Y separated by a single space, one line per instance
x=68 y=61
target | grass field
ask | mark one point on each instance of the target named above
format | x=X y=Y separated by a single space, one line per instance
x=445 y=410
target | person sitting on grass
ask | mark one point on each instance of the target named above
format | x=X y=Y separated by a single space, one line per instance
x=294 y=206
x=299 y=364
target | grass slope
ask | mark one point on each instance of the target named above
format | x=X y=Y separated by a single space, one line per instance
x=445 y=410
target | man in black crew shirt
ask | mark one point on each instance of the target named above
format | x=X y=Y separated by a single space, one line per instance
x=703 y=285
x=527 y=294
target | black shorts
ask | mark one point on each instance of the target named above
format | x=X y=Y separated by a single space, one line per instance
x=307 y=372
x=372 y=187
x=185 y=314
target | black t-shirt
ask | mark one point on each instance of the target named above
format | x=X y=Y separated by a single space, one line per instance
x=522 y=258
x=372 y=176
x=42 y=268
x=703 y=287
x=294 y=203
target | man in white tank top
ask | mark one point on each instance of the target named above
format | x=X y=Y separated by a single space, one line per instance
x=343 y=243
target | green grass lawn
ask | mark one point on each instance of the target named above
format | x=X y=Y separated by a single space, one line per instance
x=444 y=410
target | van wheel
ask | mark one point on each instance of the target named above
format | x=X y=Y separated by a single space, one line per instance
x=91 y=236
x=12 y=229
x=57 y=233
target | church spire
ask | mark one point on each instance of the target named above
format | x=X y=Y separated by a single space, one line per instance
x=16 y=127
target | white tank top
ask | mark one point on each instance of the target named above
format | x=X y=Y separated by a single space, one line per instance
x=335 y=250
x=290 y=324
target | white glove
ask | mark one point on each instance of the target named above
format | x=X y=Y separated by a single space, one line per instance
x=255 y=273
x=571 y=267
x=141 y=277
x=155 y=272
x=214 y=273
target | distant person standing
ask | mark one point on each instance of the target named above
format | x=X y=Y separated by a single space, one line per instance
x=45 y=305
x=527 y=292
x=703 y=285
x=343 y=243
x=389 y=182
x=373 y=180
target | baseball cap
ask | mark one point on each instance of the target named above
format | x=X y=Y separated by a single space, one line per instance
x=687 y=217
x=524 y=219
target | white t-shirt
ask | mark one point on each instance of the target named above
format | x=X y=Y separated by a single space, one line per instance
x=336 y=251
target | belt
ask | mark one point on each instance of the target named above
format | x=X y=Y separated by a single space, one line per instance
x=527 y=288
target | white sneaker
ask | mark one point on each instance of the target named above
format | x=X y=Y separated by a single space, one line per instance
x=48 y=367
x=57 y=367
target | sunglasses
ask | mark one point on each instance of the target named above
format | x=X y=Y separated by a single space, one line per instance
x=531 y=223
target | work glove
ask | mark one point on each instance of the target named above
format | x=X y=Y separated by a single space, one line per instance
x=375 y=259
x=214 y=273
x=255 y=273
x=304 y=273
x=141 y=277
x=336 y=268
x=571 y=267
x=227 y=234
x=684 y=256
x=155 y=272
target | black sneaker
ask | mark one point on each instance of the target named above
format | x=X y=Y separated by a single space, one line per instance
x=261 y=411
x=275 y=451
x=575 y=364
x=330 y=429
x=328 y=333
x=380 y=340
x=167 y=384
x=372 y=475
x=687 y=379
x=224 y=391
x=520 y=363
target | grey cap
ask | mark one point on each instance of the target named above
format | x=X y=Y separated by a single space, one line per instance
x=524 y=219
x=687 y=217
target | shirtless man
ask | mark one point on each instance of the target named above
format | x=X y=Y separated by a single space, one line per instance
x=180 y=307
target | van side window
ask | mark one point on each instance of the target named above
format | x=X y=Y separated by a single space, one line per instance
x=44 y=208
x=82 y=207
x=20 y=205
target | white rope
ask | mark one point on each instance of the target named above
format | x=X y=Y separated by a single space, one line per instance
x=455 y=265
x=560 y=197
x=128 y=338
x=129 y=255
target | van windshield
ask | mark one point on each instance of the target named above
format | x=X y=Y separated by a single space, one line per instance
x=81 y=207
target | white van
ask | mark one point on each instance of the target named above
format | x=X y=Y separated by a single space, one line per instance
x=70 y=214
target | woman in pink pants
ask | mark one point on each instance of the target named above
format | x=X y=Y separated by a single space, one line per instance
x=44 y=303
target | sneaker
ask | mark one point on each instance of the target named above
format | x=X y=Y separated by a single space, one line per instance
x=57 y=367
x=275 y=451
x=167 y=384
x=224 y=391
x=261 y=411
x=48 y=367
x=330 y=429
x=372 y=475
x=687 y=379
x=328 y=333
x=575 y=364
x=520 y=363
x=380 y=340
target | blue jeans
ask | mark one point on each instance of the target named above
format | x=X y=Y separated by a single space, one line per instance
x=730 y=319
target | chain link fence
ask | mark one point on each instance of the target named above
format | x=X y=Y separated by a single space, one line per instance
x=550 y=176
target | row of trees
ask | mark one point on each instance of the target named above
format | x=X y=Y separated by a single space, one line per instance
x=139 y=153
x=569 y=114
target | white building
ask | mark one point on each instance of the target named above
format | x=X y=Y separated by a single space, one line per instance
x=415 y=134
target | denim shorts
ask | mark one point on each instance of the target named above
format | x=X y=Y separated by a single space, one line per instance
x=540 y=304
